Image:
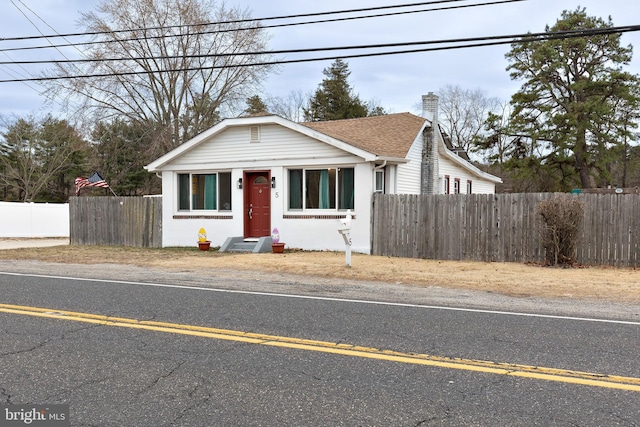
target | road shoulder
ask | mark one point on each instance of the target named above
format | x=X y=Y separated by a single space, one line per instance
x=291 y=284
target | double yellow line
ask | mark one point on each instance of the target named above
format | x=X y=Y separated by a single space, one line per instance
x=514 y=370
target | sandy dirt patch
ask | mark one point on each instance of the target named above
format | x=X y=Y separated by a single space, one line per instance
x=512 y=279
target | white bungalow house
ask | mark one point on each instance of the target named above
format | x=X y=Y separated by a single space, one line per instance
x=246 y=176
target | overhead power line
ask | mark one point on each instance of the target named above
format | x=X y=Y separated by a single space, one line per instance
x=33 y=24
x=36 y=27
x=228 y=30
x=468 y=43
x=237 y=21
x=310 y=50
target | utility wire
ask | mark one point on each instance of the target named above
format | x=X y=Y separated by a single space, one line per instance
x=5 y=54
x=259 y=27
x=36 y=27
x=479 y=42
x=507 y=39
x=51 y=45
x=13 y=73
x=238 y=21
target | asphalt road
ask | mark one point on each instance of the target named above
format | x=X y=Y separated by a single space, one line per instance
x=279 y=360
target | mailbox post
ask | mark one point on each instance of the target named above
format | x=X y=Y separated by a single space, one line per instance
x=344 y=228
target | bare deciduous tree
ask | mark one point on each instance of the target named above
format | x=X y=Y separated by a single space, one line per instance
x=463 y=113
x=292 y=107
x=167 y=65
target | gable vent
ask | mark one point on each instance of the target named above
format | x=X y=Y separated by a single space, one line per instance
x=255 y=133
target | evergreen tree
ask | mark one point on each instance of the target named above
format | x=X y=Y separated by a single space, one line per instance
x=39 y=160
x=62 y=137
x=334 y=99
x=255 y=105
x=569 y=111
x=199 y=116
x=120 y=155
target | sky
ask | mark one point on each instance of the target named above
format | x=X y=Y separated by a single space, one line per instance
x=395 y=82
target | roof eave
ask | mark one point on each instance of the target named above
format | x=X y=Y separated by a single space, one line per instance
x=469 y=166
x=158 y=164
x=391 y=160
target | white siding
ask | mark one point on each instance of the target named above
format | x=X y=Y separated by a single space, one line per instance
x=478 y=184
x=278 y=149
x=482 y=187
x=234 y=145
x=409 y=174
x=184 y=231
x=322 y=234
x=304 y=232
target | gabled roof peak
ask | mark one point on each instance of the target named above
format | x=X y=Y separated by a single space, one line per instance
x=259 y=114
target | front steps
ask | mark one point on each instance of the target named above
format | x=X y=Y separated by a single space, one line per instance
x=240 y=244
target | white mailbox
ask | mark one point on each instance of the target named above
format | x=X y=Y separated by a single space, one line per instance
x=344 y=228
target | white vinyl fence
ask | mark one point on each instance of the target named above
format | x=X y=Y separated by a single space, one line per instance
x=34 y=219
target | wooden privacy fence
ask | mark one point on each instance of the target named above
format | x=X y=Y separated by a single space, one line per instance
x=501 y=227
x=116 y=221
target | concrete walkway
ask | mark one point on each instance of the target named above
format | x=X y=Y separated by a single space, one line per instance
x=19 y=242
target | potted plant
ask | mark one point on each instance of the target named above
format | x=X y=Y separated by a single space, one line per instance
x=203 y=243
x=276 y=246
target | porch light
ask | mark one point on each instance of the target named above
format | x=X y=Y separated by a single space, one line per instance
x=273 y=182
x=239 y=183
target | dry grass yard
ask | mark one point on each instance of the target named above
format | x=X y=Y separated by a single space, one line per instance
x=519 y=280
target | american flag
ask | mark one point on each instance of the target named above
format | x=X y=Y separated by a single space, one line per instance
x=94 y=180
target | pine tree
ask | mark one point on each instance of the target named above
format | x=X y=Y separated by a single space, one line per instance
x=255 y=105
x=334 y=99
x=39 y=159
x=572 y=100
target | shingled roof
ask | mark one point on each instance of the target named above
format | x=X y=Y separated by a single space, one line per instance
x=390 y=135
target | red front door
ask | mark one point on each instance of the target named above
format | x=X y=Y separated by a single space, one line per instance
x=257 y=205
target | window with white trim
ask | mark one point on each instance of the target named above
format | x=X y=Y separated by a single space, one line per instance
x=379 y=184
x=446 y=184
x=456 y=186
x=321 y=189
x=204 y=191
x=469 y=188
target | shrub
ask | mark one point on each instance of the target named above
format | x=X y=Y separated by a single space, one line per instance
x=561 y=218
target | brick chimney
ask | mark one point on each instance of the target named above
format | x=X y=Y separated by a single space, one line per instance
x=431 y=136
